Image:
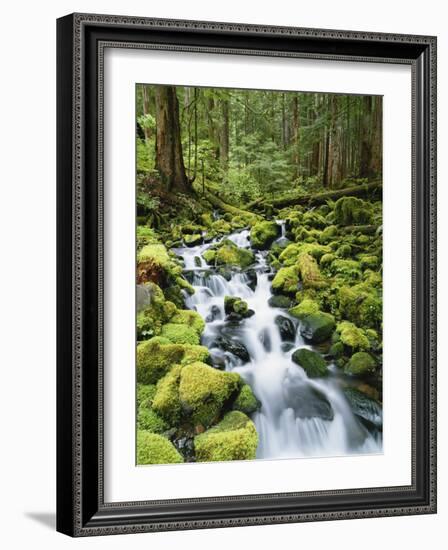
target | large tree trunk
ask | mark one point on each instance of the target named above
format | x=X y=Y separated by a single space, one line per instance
x=224 y=134
x=169 y=158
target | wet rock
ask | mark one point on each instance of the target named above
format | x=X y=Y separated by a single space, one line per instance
x=197 y=261
x=287 y=346
x=317 y=327
x=368 y=410
x=265 y=339
x=218 y=359
x=215 y=313
x=193 y=240
x=185 y=446
x=281 y=301
x=232 y=346
x=251 y=275
x=306 y=401
x=286 y=328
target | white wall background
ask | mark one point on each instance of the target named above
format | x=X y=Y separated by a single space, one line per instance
x=27 y=275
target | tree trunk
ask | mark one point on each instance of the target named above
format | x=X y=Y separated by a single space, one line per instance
x=224 y=137
x=169 y=158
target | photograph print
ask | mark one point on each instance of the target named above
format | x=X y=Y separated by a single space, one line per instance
x=258 y=273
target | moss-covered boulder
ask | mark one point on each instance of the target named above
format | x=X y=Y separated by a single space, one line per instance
x=166 y=401
x=309 y=272
x=263 y=234
x=229 y=254
x=234 y=438
x=221 y=227
x=155 y=449
x=361 y=304
x=312 y=363
x=204 y=390
x=306 y=307
x=348 y=270
x=180 y=334
x=154 y=264
x=234 y=304
x=361 y=363
x=292 y=251
x=352 y=211
x=193 y=240
x=155 y=357
x=154 y=311
x=189 y=318
x=209 y=256
x=317 y=327
x=328 y=234
x=368 y=261
x=352 y=336
x=149 y=420
x=327 y=259
x=286 y=281
x=246 y=401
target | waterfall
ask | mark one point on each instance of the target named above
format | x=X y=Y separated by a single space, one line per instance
x=299 y=416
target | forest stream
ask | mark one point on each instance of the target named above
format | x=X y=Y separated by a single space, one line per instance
x=298 y=416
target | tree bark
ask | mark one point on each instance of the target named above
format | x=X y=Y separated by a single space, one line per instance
x=169 y=158
x=224 y=137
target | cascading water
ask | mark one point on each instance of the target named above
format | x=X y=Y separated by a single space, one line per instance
x=299 y=416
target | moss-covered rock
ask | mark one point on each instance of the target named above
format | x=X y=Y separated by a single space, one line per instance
x=166 y=400
x=312 y=363
x=203 y=391
x=286 y=280
x=280 y=301
x=309 y=272
x=189 y=318
x=193 y=240
x=317 y=327
x=337 y=350
x=352 y=211
x=349 y=270
x=230 y=254
x=155 y=357
x=234 y=304
x=368 y=262
x=352 y=336
x=361 y=363
x=145 y=394
x=209 y=256
x=328 y=234
x=234 y=438
x=344 y=251
x=246 y=401
x=149 y=420
x=361 y=304
x=306 y=307
x=155 y=449
x=221 y=227
x=154 y=313
x=327 y=259
x=180 y=334
x=292 y=251
x=263 y=234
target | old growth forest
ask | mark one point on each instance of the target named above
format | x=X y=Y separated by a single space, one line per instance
x=259 y=274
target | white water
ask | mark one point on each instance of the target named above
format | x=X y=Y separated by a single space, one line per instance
x=295 y=419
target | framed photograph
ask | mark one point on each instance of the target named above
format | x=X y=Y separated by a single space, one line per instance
x=246 y=274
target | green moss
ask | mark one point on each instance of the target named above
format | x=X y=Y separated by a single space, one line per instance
x=203 y=390
x=246 y=401
x=328 y=234
x=180 y=334
x=193 y=240
x=344 y=251
x=155 y=449
x=148 y=419
x=209 y=256
x=263 y=234
x=317 y=327
x=348 y=269
x=166 y=400
x=311 y=362
x=286 y=280
x=290 y=254
x=155 y=357
x=230 y=254
x=150 y=320
x=222 y=227
x=145 y=394
x=361 y=304
x=368 y=262
x=157 y=253
x=234 y=304
x=306 y=307
x=337 y=350
x=309 y=272
x=234 y=438
x=360 y=363
x=352 y=336
x=190 y=318
x=352 y=211
x=313 y=219
x=327 y=259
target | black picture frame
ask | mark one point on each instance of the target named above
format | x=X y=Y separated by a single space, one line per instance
x=81 y=510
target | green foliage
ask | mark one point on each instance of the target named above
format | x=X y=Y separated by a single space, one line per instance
x=155 y=449
x=234 y=438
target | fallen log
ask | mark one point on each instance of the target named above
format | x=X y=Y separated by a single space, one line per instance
x=219 y=203
x=321 y=198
